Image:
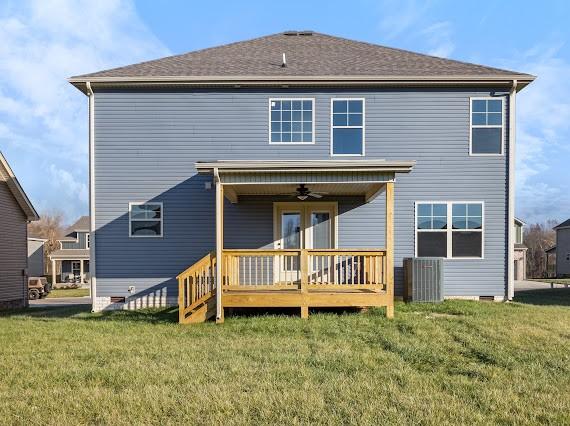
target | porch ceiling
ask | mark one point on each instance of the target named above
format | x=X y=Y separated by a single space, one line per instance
x=335 y=177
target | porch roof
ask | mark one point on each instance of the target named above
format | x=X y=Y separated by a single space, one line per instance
x=70 y=254
x=332 y=177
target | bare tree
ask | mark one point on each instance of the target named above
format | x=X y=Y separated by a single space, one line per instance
x=538 y=237
x=49 y=227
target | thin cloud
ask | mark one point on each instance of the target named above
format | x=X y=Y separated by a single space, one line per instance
x=439 y=36
x=44 y=118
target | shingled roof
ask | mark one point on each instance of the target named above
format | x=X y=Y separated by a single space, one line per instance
x=310 y=56
x=564 y=224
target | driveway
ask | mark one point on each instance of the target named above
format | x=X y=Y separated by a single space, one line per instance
x=531 y=285
x=60 y=301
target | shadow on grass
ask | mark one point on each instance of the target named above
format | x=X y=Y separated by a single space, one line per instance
x=83 y=313
x=550 y=296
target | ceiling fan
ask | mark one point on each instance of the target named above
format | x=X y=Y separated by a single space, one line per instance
x=302 y=193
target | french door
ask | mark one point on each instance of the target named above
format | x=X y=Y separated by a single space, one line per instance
x=299 y=225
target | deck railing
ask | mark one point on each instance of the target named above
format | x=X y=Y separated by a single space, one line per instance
x=196 y=284
x=299 y=269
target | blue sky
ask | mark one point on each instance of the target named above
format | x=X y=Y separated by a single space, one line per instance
x=43 y=119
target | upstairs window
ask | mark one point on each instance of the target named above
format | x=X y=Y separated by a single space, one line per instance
x=291 y=121
x=145 y=219
x=486 y=126
x=451 y=230
x=347 y=127
x=88 y=240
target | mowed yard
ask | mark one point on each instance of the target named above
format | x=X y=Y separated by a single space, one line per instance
x=458 y=362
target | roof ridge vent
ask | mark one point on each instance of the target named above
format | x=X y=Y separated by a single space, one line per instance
x=298 y=33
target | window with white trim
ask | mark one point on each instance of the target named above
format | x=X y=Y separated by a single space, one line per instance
x=291 y=120
x=347 y=135
x=486 y=126
x=451 y=230
x=145 y=219
x=88 y=240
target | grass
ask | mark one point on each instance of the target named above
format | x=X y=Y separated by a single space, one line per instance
x=455 y=363
x=68 y=292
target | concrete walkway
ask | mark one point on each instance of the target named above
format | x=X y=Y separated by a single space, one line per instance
x=60 y=301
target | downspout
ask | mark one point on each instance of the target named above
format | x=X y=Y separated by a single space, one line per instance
x=92 y=241
x=511 y=194
x=219 y=244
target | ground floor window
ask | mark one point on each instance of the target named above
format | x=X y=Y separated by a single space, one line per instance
x=449 y=229
x=145 y=219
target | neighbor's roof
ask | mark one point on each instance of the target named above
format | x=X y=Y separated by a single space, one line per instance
x=519 y=221
x=6 y=174
x=548 y=250
x=83 y=224
x=564 y=224
x=311 y=58
x=70 y=254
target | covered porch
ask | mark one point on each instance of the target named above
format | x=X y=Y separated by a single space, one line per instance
x=305 y=267
x=70 y=266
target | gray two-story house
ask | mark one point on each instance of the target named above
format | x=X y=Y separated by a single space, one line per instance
x=72 y=258
x=298 y=169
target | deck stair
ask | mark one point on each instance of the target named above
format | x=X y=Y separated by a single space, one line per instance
x=197 y=291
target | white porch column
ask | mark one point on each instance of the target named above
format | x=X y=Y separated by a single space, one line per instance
x=81 y=270
x=53 y=273
x=219 y=246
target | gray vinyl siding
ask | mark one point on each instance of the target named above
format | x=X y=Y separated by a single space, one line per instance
x=36 y=258
x=146 y=144
x=13 y=247
x=81 y=242
x=563 y=252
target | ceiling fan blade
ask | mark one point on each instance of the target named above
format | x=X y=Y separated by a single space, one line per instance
x=315 y=194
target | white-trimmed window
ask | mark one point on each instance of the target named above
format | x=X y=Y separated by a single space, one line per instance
x=291 y=120
x=145 y=219
x=487 y=124
x=449 y=229
x=347 y=126
x=88 y=240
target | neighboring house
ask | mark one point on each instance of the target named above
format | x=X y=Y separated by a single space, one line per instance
x=36 y=257
x=397 y=153
x=16 y=211
x=73 y=255
x=563 y=249
x=520 y=251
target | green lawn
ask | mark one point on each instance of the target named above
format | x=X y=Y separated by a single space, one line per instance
x=68 y=292
x=458 y=362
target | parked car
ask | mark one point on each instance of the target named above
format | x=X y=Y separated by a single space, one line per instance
x=38 y=288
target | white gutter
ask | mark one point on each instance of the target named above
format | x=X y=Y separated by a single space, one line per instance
x=511 y=194
x=92 y=237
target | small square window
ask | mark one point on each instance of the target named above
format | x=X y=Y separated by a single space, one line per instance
x=145 y=219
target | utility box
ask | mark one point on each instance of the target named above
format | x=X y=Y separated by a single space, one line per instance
x=423 y=279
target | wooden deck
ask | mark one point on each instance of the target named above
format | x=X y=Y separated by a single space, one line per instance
x=287 y=278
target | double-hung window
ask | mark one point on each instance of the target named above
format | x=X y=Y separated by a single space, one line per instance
x=145 y=219
x=449 y=229
x=487 y=125
x=347 y=135
x=291 y=121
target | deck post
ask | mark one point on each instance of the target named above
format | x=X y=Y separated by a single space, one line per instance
x=219 y=247
x=81 y=271
x=53 y=273
x=390 y=248
x=304 y=283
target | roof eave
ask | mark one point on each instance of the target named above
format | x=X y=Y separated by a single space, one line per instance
x=260 y=166
x=237 y=81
